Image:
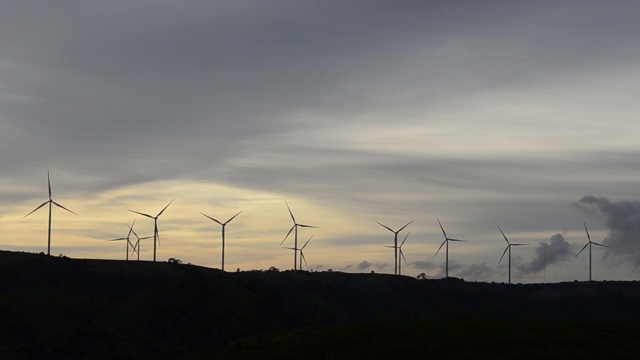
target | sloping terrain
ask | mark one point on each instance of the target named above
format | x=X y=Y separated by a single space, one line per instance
x=54 y=307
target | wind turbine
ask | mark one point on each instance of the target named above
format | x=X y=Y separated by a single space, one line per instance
x=136 y=247
x=509 y=245
x=50 y=202
x=156 y=235
x=446 y=241
x=395 y=243
x=589 y=245
x=302 y=254
x=127 y=239
x=401 y=254
x=294 y=227
x=224 y=224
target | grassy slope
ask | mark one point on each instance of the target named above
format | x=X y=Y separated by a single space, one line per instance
x=58 y=308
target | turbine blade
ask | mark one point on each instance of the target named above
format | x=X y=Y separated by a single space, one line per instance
x=519 y=244
x=457 y=240
x=49 y=183
x=233 y=217
x=595 y=243
x=165 y=208
x=146 y=237
x=584 y=247
x=585 y=229
x=386 y=227
x=290 y=213
x=442 y=228
x=402 y=228
x=405 y=239
x=304 y=259
x=505 y=236
x=308 y=226
x=212 y=218
x=403 y=258
x=445 y=240
x=36 y=209
x=158 y=236
x=290 y=248
x=505 y=251
x=143 y=214
x=289 y=233
x=118 y=239
x=389 y=246
x=62 y=207
x=305 y=244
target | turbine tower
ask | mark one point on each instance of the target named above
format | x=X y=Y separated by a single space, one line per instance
x=224 y=224
x=589 y=245
x=50 y=202
x=294 y=227
x=509 y=245
x=446 y=241
x=156 y=235
x=395 y=244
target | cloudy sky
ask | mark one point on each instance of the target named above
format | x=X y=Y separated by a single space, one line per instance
x=519 y=114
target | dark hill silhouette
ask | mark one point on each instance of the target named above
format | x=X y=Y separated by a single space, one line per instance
x=56 y=307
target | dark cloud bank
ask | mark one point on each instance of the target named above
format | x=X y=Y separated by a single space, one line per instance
x=622 y=219
x=547 y=253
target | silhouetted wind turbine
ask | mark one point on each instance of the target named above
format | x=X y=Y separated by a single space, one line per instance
x=127 y=238
x=294 y=227
x=509 y=245
x=446 y=241
x=156 y=235
x=136 y=247
x=395 y=244
x=302 y=254
x=589 y=245
x=401 y=254
x=50 y=202
x=224 y=224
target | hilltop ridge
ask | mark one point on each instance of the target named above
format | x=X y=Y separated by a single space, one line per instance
x=51 y=306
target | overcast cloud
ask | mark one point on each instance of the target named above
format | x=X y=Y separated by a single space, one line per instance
x=474 y=112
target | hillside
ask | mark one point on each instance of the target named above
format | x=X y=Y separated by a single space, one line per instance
x=54 y=307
